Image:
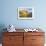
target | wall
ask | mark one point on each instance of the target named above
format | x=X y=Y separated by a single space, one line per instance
x=9 y=13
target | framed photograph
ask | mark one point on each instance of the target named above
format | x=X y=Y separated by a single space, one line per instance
x=25 y=13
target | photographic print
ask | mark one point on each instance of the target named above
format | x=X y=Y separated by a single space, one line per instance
x=25 y=13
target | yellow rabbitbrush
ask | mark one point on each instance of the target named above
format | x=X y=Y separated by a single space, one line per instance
x=23 y=13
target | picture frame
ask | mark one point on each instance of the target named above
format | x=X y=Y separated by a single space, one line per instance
x=25 y=13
